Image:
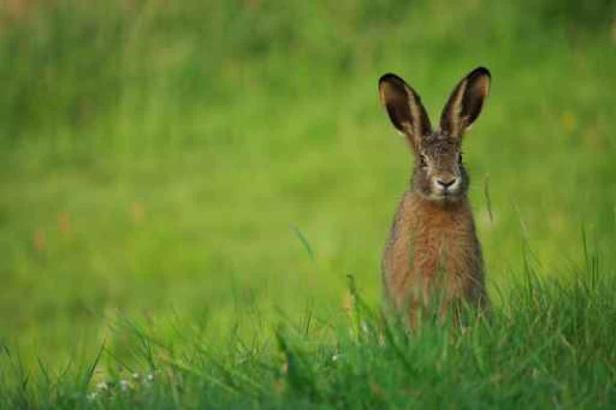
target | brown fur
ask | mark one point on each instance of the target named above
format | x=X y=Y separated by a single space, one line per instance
x=433 y=248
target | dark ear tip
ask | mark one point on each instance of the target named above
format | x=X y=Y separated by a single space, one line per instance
x=480 y=71
x=390 y=78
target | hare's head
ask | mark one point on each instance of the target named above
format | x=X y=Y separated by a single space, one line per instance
x=439 y=173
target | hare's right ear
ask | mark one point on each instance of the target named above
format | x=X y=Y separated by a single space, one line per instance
x=404 y=107
x=465 y=102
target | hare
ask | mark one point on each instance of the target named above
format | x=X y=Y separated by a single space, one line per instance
x=433 y=248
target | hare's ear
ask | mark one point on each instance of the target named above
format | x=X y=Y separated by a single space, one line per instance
x=404 y=107
x=465 y=102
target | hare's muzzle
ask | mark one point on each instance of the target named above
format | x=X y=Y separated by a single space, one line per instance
x=446 y=184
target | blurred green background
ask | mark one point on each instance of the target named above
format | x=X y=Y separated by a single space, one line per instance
x=226 y=161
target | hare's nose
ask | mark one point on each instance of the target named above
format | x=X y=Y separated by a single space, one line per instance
x=446 y=183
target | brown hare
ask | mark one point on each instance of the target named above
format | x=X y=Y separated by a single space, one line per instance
x=433 y=248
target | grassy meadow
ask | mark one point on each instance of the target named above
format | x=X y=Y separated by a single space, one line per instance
x=194 y=198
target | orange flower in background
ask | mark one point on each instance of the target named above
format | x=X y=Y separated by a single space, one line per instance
x=64 y=223
x=137 y=212
x=39 y=240
x=16 y=9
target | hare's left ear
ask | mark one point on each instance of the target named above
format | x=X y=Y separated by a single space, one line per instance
x=465 y=102
x=404 y=108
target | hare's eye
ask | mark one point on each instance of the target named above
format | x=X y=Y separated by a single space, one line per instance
x=423 y=161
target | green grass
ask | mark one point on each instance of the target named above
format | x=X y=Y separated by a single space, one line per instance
x=551 y=346
x=195 y=180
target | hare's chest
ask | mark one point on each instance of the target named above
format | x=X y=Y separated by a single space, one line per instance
x=442 y=242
